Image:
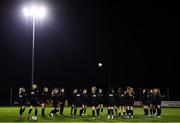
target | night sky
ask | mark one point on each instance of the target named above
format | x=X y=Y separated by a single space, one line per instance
x=136 y=41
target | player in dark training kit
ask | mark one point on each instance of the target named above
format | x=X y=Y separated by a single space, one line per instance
x=73 y=100
x=110 y=103
x=85 y=101
x=94 y=101
x=22 y=101
x=34 y=100
x=44 y=97
x=152 y=102
x=158 y=102
x=77 y=102
x=121 y=102
x=129 y=102
x=55 y=99
x=101 y=100
x=146 y=101
x=62 y=99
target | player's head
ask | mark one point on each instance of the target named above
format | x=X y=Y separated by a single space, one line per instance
x=20 y=90
x=45 y=89
x=75 y=91
x=93 y=89
x=151 y=91
x=144 y=90
x=158 y=91
x=23 y=90
x=155 y=90
x=100 y=91
x=56 y=90
x=120 y=90
x=62 y=90
x=34 y=86
x=85 y=91
x=129 y=90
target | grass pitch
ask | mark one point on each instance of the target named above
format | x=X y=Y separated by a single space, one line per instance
x=10 y=114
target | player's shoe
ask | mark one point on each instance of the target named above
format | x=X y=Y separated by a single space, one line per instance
x=112 y=117
x=108 y=117
x=20 y=117
x=93 y=118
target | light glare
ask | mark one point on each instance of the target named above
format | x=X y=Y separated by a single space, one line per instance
x=34 y=11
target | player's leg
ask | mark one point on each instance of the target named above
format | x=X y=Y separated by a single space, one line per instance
x=154 y=109
x=115 y=108
x=43 y=109
x=36 y=111
x=93 y=111
x=61 y=108
x=131 y=112
x=20 y=112
x=97 y=110
x=109 y=112
x=75 y=111
x=145 y=110
x=72 y=108
x=159 y=110
x=112 y=112
x=81 y=110
x=29 y=112
x=128 y=111
x=151 y=109
x=120 y=110
x=101 y=105
x=85 y=108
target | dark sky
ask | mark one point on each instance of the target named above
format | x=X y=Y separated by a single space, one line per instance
x=135 y=41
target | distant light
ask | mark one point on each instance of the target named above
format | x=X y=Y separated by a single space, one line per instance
x=100 y=64
x=34 y=11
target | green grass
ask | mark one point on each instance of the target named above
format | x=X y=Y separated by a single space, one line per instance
x=10 y=114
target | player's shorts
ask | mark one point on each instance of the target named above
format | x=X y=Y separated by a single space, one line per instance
x=55 y=104
x=43 y=101
x=129 y=102
x=110 y=105
x=34 y=102
x=22 y=103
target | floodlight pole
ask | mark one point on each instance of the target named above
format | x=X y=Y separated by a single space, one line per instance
x=33 y=42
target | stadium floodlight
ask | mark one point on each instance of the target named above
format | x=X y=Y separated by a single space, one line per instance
x=34 y=12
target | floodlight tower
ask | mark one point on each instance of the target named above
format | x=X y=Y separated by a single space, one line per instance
x=34 y=12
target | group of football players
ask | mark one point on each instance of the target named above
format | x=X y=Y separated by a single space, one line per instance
x=119 y=103
x=151 y=100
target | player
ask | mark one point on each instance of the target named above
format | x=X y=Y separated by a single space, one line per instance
x=115 y=103
x=62 y=99
x=146 y=102
x=45 y=96
x=73 y=100
x=77 y=102
x=34 y=100
x=94 y=102
x=129 y=102
x=121 y=102
x=84 y=101
x=101 y=99
x=22 y=101
x=55 y=102
x=158 y=102
x=152 y=102
x=110 y=103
